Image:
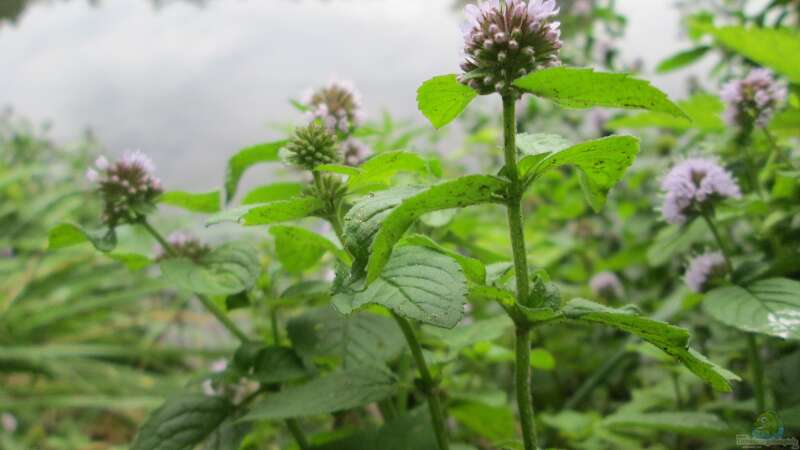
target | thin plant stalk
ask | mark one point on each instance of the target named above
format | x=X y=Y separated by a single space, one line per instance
x=297 y=434
x=522 y=366
x=757 y=368
x=428 y=385
x=207 y=303
x=718 y=237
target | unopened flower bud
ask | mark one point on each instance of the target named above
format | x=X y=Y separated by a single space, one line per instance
x=313 y=146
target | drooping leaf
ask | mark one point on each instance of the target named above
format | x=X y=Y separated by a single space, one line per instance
x=441 y=99
x=775 y=48
x=417 y=283
x=207 y=202
x=273 y=192
x=299 y=249
x=364 y=220
x=686 y=423
x=269 y=213
x=670 y=339
x=409 y=431
x=228 y=269
x=337 y=391
x=584 y=88
x=682 y=59
x=473 y=268
x=245 y=159
x=705 y=111
x=457 y=193
x=602 y=163
x=357 y=340
x=67 y=234
x=182 y=422
x=770 y=307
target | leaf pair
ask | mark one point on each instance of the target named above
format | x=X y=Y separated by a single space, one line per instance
x=441 y=99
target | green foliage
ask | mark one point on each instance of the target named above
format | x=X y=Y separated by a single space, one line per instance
x=269 y=213
x=704 y=111
x=299 y=249
x=417 y=283
x=246 y=158
x=767 y=306
x=601 y=164
x=458 y=193
x=207 y=202
x=441 y=99
x=685 y=423
x=182 y=423
x=584 y=88
x=229 y=269
x=273 y=192
x=682 y=59
x=337 y=391
x=769 y=47
x=411 y=430
x=67 y=234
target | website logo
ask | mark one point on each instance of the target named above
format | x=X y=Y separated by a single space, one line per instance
x=768 y=431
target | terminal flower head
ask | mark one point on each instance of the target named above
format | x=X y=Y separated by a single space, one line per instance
x=129 y=187
x=753 y=99
x=336 y=105
x=694 y=184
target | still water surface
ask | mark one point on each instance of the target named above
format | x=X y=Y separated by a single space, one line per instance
x=191 y=84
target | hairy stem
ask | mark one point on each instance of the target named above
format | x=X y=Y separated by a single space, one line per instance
x=758 y=372
x=427 y=384
x=207 y=303
x=522 y=366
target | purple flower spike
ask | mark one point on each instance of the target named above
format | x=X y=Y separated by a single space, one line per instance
x=606 y=285
x=337 y=106
x=693 y=184
x=703 y=270
x=753 y=99
x=128 y=187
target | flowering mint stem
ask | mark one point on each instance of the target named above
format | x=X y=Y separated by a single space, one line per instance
x=427 y=383
x=207 y=303
x=523 y=333
x=720 y=242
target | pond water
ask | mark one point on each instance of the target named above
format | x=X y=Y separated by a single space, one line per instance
x=191 y=83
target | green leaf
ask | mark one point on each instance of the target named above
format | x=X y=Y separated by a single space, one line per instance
x=337 y=391
x=441 y=99
x=245 y=159
x=473 y=268
x=770 y=307
x=379 y=170
x=542 y=359
x=273 y=192
x=182 y=422
x=674 y=240
x=277 y=365
x=299 y=249
x=495 y=423
x=364 y=220
x=457 y=193
x=358 y=340
x=685 y=423
x=573 y=87
x=601 y=162
x=231 y=268
x=409 y=431
x=67 y=234
x=464 y=336
x=538 y=143
x=705 y=111
x=775 y=48
x=207 y=202
x=670 y=339
x=132 y=261
x=228 y=436
x=682 y=59
x=269 y=213
x=417 y=283
x=341 y=169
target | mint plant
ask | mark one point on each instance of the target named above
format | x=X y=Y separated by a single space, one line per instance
x=362 y=304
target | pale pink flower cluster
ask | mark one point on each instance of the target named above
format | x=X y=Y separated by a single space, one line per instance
x=691 y=185
x=337 y=105
x=606 y=285
x=103 y=170
x=704 y=268
x=756 y=98
x=127 y=186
